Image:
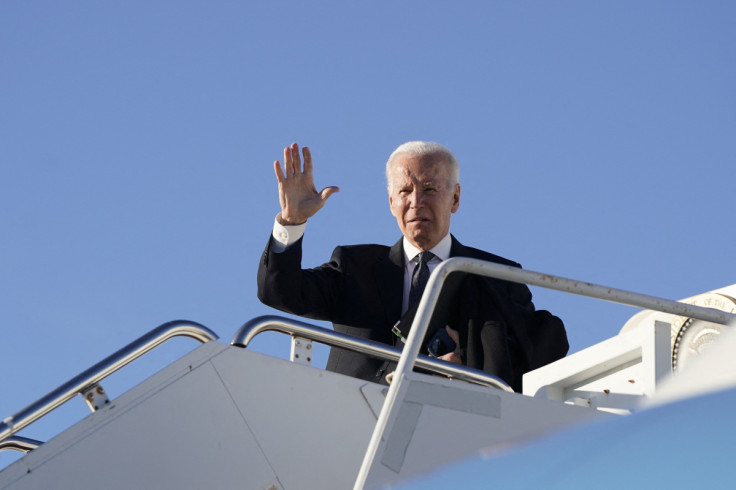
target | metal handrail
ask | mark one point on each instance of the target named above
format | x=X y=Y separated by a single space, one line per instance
x=513 y=274
x=296 y=328
x=88 y=378
x=20 y=444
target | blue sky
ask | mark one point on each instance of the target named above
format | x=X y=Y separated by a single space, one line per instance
x=137 y=140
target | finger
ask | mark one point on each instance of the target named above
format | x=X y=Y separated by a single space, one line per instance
x=279 y=173
x=307 y=161
x=295 y=156
x=328 y=191
x=451 y=357
x=288 y=162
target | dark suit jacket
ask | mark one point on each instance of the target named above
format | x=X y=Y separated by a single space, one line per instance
x=360 y=291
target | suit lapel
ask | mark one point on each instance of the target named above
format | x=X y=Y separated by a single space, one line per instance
x=389 y=274
x=457 y=249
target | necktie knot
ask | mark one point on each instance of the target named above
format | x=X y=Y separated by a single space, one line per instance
x=423 y=258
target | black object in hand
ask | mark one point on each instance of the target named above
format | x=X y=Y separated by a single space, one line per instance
x=441 y=344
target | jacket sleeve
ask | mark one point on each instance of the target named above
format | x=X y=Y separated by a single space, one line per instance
x=505 y=335
x=284 y=285
x=537 y=337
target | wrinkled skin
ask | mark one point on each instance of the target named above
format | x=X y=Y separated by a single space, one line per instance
x=422 y=198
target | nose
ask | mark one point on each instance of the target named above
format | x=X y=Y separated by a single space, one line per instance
x=417 y=199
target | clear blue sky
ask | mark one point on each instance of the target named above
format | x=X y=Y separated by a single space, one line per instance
x=137 y=139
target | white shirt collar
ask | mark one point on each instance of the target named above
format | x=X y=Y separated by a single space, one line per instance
x=441 y=250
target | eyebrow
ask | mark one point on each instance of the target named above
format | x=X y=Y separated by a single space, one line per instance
x=411 y=183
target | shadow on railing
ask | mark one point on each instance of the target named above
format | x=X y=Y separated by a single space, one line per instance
x=88 y=379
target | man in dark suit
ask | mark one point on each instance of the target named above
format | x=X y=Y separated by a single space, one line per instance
x=364 y=290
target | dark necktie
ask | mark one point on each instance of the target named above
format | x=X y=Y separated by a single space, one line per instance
x=420 y=277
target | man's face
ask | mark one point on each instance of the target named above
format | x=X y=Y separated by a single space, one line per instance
x=421 y=198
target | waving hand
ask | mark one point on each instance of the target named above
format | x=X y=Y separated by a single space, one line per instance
x=298 y=197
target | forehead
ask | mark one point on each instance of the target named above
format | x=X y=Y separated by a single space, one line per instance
x=419 y=168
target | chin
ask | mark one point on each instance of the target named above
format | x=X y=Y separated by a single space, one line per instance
x=422 y=242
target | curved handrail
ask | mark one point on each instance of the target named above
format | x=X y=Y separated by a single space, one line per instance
x=88 y=378
x=20 y=444
x=548 y=281
x=513 y=274
x=273 y=323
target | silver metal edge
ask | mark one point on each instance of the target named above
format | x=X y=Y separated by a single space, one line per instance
x=101 y=370
x=272 y=323
x=20 y=444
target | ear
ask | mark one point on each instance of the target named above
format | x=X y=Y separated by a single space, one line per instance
x=391 y=205
x=455 y=199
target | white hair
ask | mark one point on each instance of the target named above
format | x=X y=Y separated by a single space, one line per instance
x=423 y=148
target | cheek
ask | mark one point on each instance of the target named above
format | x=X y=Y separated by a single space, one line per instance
x=394 y=208
x=397 y=207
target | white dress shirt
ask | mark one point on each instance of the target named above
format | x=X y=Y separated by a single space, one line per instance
x=286 y=235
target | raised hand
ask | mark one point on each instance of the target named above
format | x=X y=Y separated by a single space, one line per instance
x=298 y=197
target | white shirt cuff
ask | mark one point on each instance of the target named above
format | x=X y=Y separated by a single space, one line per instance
x=285 y=236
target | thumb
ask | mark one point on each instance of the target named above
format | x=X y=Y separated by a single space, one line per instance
x=328 y=191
